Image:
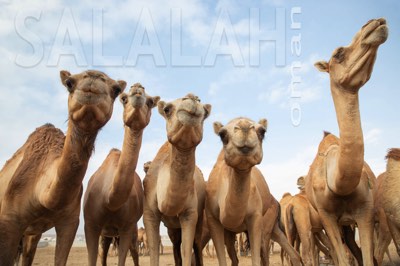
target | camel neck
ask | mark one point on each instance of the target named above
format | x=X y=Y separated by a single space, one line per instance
x=78 y=147
x=124 y=175
x=350 y=158
x=181 y=180
x=237 y=197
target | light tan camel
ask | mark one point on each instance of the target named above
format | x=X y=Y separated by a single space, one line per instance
x=234 y=182
x=382 y=232
x=41 y=185
x=113 y=201
x=237 y=194
x=303 y=225
x=339 y=183
x=174 y=187
x=142 y=241
x=390 y=197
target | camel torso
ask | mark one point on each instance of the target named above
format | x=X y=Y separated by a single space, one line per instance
x=96 y=199
x=322 y=198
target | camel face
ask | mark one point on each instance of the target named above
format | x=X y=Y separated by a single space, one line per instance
x=185 y=117
x=91 y=98
x=137 y=107
x=350 y=67
x=242 y=139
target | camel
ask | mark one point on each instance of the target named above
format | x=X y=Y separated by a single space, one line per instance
x=41 y=185
x=303 y=225
x=390 y=200
x=339 y=183
x=174 y=187
x=237 y=194
x=113 y=201
x=382 y=232
x=142 y=241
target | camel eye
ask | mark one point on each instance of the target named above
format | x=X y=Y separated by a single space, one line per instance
x=223 y=134
x=261 y=132
x=69 y=84
x=168 y=109
x=150 y=102
x=339 y=54
x=116 y=90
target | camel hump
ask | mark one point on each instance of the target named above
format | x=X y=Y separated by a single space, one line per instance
x=46 y=137
x=326 y=133
x=394 y=154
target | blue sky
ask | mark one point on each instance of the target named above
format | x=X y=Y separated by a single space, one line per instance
x=210 y=48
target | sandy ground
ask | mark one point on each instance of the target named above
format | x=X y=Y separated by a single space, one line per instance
x=78 y=256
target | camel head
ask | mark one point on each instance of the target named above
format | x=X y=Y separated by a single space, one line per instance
x=91 y=98
x=301 y=182
x=350 y=67
x=242 y=139
x=185 y=117
x=137 y=107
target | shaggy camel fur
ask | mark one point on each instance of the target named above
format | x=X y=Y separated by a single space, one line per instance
x=237 y=194
x=41 y=185
x=390 y=197
x=339 y=183
x=174 y=187
x=113 y=202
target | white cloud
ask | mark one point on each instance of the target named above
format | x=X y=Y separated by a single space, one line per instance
x=372 y=136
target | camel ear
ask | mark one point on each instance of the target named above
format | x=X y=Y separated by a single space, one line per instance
x=153 y=101
x=263 y=122
x=217 y=127
x=322 y=66
x=123 y=98
x=122 y=84
x=207 y=108
x=64 y=74
x=161 y=105
x=66 y=80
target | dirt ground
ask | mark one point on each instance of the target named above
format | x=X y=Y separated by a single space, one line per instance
x=78 y=257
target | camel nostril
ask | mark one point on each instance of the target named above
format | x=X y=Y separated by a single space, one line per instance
x=245 y=149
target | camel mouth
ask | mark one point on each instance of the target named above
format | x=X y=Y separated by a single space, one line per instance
x=88 y=97
x=246 y=150
x=375 y=32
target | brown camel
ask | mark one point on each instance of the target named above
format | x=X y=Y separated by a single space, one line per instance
x=174 y=187
x=113 y=202
x=237 y=194
x=339 y=183
x=382 y=232
x=41 y=185
x=390 y=197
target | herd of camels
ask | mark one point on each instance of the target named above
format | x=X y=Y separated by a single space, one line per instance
x=41 y=185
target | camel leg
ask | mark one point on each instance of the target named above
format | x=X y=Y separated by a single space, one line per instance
x=327 y=243
x=10 y=235
x=176 y=238
x=125 y=239
x=134 y=248
x=188 y=223
x=332 y=229
x=383 y=241
x=279 y=237
x=92 y=234
x=229 y=239
x=65 y=237
x=395 y=234
x=366 y=230
x=105 y=245
x=254 y=224
x=265 y=246
x=217 y=235
x=152 y=227
x=29 y=248
x=198 y=245
x=349 y=236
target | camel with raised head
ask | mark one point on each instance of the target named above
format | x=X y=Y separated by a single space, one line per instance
x=41 y=185
x=174 y=187
x=339 y=183
x=113 y=202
